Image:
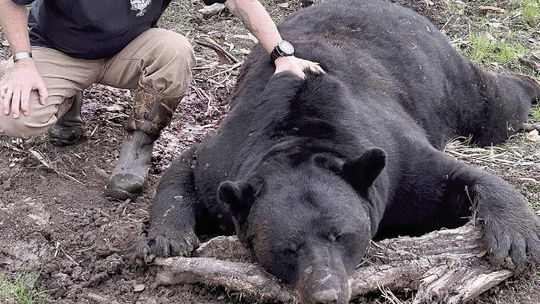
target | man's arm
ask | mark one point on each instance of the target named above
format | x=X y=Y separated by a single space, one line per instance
x=24 y=77
x=254 y=16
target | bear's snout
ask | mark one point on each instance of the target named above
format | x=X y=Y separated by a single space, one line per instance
x=328 y=296
x=322 y=278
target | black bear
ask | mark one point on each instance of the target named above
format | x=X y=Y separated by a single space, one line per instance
x=307 y=172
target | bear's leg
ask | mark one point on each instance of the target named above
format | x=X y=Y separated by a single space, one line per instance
x=442 y=192
x=510 y=228
x=172 y=214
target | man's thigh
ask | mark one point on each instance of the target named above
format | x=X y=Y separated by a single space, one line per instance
x=159 y=61
x=63 y=75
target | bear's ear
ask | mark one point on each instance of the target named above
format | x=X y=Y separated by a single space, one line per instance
x=238 y=196
x=363 y=170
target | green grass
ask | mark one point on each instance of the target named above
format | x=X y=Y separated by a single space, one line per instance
x=482 y=48
x=181 y=12
x=530 y=9
x=455 y=7
x=21 y=289
x=535 y=113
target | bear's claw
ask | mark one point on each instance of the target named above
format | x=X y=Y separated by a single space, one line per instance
x=165 y=246
x=519 y=240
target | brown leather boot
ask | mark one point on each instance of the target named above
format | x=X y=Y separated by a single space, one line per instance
x=68 y=130
x=149 y=116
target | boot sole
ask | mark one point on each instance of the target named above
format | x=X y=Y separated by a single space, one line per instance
x=62 y=142
x=121 y=194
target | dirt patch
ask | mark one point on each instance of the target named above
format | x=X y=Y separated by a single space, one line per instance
x=55 y=219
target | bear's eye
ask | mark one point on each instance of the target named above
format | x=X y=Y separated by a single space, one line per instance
x=289 y=248
x=289 y=251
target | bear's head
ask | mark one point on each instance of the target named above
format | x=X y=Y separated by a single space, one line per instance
x=308 y=224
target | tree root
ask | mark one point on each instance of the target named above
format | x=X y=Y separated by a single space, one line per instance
x=445 y=266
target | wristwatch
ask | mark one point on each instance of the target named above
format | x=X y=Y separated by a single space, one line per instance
x=284 y=48
x=21 y=55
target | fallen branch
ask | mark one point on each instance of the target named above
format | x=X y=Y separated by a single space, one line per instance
x=445 y=266
x=223 y=55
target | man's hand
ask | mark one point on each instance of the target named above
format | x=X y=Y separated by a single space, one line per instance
x=297 y=66
x=254 y=16
x=15 y=93
x=23 y=77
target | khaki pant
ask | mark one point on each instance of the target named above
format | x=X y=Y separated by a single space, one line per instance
x=158 y=61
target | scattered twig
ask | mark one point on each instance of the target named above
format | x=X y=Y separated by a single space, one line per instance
x=48 y=165
x=233 y=67
x=68 y=256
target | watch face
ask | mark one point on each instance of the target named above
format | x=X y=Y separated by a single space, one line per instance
x=286 y=47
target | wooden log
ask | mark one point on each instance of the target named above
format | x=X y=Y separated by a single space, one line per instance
x=445 y=266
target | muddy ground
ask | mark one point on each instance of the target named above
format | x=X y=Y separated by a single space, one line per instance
x=55 y=219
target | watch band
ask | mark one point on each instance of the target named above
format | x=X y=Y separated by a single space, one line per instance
x=21 y=55
x=276 y=53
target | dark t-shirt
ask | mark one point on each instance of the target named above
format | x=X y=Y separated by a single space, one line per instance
x=94 y=29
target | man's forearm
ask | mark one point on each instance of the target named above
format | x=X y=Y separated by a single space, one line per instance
x=254 y=16
x=13 y=19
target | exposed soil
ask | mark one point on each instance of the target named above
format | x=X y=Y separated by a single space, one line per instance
x=54 y=217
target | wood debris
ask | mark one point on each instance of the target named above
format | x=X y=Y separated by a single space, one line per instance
x=448 y=265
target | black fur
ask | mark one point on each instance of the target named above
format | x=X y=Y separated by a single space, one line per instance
x=307 y=172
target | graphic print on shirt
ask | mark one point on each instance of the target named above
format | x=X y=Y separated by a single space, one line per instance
x=140 y=5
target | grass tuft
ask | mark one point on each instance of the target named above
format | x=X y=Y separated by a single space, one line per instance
x=21 y=289
x=483 y=48
x=535 y=113
x=530 y=10
x=455 y=7
x=181 y=12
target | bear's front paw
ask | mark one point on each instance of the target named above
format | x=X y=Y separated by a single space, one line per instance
x=517 y=237
x=162 y=245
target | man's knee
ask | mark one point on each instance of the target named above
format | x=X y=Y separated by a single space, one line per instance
x=39 y=119
x=169 y=69
x=24 y=126
x=174 y=49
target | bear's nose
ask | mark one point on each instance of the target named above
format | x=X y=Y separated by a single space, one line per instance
x=328 y=296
